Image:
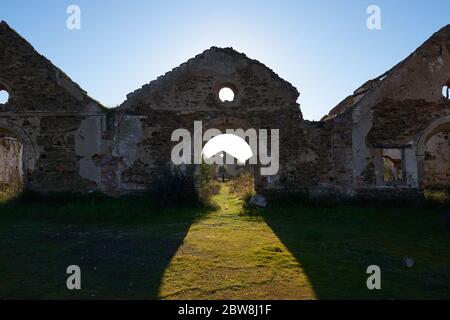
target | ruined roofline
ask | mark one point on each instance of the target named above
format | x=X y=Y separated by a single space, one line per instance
x=361 y=93
x=58 y=72
x=228 y=50
x=349 y=102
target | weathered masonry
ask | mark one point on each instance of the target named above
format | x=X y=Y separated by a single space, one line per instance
x=391 y=134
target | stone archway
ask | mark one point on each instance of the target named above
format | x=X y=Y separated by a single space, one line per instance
x=28 y=156
x=224 y=123
x=433 y=164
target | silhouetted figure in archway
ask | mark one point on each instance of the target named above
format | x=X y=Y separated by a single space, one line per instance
x=222 y=173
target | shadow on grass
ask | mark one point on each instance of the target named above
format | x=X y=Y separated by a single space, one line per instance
x=336 y=244
x=122 y=245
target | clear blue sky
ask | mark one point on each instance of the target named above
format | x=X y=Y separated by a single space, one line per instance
x=322 y=47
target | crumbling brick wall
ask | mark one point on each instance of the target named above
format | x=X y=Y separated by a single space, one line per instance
x=437 y=162
x=10 y=163
x=395 y=110
x=72 y=143
x=58 y=123
x=313 y=155
x=190 y=93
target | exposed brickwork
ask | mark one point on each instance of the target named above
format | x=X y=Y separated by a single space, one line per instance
x=437 y=161
x=46 y=108
x=10 y=163
x=395 y=122
x=72 y=143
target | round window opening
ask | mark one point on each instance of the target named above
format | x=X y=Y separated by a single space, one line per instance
x=226 y=95
x=4 y=96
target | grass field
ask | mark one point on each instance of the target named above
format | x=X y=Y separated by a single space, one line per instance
x=131 y=249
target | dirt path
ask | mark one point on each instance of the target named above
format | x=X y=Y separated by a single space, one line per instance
x=228 y=255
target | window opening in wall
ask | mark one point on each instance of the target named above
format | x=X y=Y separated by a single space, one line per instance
x=226 y=95
x=393 y=166
x=4 y=96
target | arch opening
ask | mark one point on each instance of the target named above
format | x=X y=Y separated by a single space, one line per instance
x=227 y=160
x=11 y=165
x=436 y=166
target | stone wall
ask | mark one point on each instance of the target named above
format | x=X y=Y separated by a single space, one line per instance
x=395 y=110
x=72 y=143
x=11 y=173
x=58 y=124
x=437 y=162
x=189 y=93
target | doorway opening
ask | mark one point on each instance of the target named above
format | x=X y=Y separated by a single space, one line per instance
x=394 y=170
x=437 y=161
x=11 y=165
x=239 y=178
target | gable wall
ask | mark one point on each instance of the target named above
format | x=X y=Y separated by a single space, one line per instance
x=58 y=123
x=190 y=93
x=72 y=144
x=399 y=109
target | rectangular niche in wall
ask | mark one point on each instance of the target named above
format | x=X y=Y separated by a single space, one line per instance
x=394 y=171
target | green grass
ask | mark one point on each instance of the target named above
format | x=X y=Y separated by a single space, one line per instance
x=128 y=248
x=336 y=245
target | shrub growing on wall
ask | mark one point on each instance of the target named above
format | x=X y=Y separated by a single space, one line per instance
x=175 y=185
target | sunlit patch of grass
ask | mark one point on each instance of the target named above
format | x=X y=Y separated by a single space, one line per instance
x=131 y=248
x=9 y=192
x=226 y=255
x=437 y=196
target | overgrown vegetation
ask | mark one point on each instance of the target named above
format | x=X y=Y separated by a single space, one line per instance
x=373 y=199
x=175 y=186
x=11 y=190
x=209 y=186
x=243 y=185
x=439 y=196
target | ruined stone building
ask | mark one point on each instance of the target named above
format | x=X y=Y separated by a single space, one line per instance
x=391 y=134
